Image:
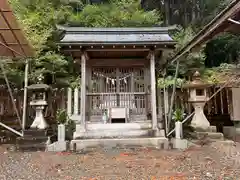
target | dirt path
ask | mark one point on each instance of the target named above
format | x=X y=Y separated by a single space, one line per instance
x=213 y=161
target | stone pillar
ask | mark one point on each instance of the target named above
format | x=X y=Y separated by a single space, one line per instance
x=153 y=91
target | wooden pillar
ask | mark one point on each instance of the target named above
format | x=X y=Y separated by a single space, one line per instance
x=89 y=90
x=146 y=90
x=118 y=98
x=83 y=89
x=153 y=90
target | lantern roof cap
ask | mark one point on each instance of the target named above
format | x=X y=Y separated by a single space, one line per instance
x=39 y=87
x=197 y=82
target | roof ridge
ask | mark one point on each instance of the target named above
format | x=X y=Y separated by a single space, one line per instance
x=116 y=29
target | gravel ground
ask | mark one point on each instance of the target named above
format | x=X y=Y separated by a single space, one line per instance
x=214 y=161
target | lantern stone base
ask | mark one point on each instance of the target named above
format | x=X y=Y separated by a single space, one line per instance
x=39 y=121
x=199 y=119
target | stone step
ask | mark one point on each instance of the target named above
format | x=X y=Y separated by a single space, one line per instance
x=208 y=135
x=31 y=147
x=31 y=140
x=209 y=129
x=37 y=132
x=158 y=142
x=115 y=133
x=122 y=126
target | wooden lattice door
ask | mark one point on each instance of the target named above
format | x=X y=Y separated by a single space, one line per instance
x=118 y=87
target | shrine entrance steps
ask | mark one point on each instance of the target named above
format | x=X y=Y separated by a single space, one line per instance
x=114 y=134
x=157 y=142
x=34 y=140
x=116 y=130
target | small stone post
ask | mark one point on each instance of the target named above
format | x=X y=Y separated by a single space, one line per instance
x=61 y=133
x=178 y=130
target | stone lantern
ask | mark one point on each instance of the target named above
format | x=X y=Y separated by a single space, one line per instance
x=198 y=98
x=39 y=102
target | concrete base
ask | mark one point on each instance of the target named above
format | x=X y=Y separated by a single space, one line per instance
x=160 y=142
x=116 y=130
x=181 y=143
x=230 y=132
x=58 y=146
x=113 y=126
x=112 y=134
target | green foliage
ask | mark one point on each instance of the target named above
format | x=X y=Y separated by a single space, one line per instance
x=70 y=128
x=39 y=18
x=62 y=116
x=123 y=13
x=193 y=60
x=221 y=73
x=178 y=115
x=169 y=81
x=223 y=49
x=209 y=10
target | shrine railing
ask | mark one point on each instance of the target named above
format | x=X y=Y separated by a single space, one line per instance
x=69 y=99
x=138 y=103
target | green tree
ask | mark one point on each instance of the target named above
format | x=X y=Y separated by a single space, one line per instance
x=117 y=13
x=40 y=17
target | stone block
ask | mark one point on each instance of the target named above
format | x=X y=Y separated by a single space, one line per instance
x=209 y=129
x=159 y=133
x=58 y=146
x=209 y=135
x=229 y=131
x=180 y=143
x=82 y=144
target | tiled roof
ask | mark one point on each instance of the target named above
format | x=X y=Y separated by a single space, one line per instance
x=82 y=35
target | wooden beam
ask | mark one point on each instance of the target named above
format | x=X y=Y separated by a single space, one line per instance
x=107 y=50
x=117 y=59
x=83 y=90
x=153 y=90
x=117 y=62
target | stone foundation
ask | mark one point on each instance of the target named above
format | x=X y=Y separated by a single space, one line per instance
x=117 y=130
x=77 y=145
